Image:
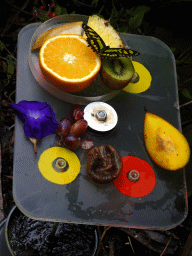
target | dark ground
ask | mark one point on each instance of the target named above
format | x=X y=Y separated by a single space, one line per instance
x=158 y=24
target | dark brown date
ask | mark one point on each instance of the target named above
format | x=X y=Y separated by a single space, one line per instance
x=103 y=164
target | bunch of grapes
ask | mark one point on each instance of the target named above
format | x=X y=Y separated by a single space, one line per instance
x=71 y=130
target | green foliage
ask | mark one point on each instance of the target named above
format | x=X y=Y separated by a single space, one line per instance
x=127 y=20
x=10 y=62
x=1 y=46
x=40 y=14
x=184 y=63
x=186 y=93
x=10 y=67
x=94 y=2
x=124 y=20
x=43 y=14
x=60 y=10
x=136 y=15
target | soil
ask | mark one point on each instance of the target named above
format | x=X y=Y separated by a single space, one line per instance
x=42 y=238
x=114 y=241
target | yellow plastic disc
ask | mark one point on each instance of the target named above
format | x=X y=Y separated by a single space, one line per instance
x=46 y=165
x=144 y=79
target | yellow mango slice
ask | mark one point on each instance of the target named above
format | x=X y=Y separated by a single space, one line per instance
x=165 y=144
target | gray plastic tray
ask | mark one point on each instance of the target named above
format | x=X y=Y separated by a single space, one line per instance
x=82 y=201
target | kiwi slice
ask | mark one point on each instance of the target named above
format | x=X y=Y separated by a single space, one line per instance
x=116 y=73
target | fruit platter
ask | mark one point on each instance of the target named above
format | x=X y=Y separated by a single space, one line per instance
x=92 y=93
x=112 y=156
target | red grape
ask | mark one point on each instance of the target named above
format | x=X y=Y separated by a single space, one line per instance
x=72 y=142
x=64 y=127
x=71 y=134
x=87 y=143
x=76 y=112
x=79 y=128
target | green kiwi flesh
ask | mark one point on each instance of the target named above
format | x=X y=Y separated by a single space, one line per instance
x=116 y=73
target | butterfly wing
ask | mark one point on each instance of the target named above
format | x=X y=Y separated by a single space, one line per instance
x=94 y=40
x=118 y=52
x=98 y=45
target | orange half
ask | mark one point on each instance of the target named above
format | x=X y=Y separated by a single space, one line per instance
x=68 y=63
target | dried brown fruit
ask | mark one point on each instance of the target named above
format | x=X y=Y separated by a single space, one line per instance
x=103 y=164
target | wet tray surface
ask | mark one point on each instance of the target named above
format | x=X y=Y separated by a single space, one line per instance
x=82 y=201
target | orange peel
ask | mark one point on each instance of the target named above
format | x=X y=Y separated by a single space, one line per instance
x=49 y=172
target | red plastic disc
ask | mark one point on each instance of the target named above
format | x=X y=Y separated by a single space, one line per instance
x=143 y=186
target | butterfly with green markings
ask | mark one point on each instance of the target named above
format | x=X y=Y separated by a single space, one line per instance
x=98 y=45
